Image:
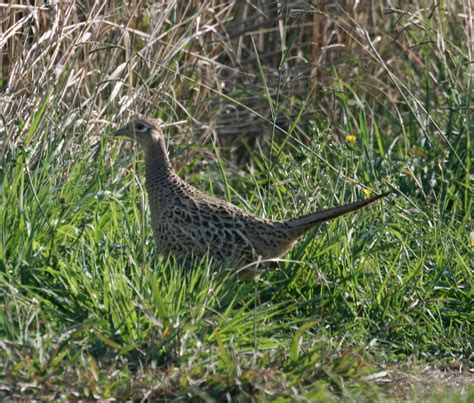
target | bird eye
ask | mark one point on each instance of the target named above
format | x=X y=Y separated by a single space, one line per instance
x=140 y=127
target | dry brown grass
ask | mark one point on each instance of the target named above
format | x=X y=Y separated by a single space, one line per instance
x=98 y=63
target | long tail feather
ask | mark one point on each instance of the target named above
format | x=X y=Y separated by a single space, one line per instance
x=300 y=225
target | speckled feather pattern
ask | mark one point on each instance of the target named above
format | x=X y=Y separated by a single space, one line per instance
x=188 y=222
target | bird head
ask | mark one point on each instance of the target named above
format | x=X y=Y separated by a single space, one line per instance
x=143 y=131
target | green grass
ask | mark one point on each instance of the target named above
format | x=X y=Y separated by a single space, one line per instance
x=87 y=302
x=376 y=305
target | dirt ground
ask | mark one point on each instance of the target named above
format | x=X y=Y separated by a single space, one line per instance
x=445 y=383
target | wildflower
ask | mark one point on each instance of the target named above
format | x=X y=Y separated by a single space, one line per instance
x=367 y=192
x=351 y=138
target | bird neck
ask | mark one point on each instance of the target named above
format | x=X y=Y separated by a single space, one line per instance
x=157 y=162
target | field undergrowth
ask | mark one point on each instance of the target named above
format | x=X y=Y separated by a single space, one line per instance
x=281 y=109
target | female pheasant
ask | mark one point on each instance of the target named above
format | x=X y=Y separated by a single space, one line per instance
x=189 y=224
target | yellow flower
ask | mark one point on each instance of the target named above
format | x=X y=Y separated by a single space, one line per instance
x=351 y=138
x=367 y=192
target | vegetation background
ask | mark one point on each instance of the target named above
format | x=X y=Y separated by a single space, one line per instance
x=282 y=107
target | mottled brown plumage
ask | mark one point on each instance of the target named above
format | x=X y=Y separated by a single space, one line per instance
x=188 y=223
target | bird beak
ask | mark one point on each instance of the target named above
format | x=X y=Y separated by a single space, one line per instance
x=123 y=132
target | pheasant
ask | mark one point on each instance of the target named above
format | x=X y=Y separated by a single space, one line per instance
x=189 y=224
